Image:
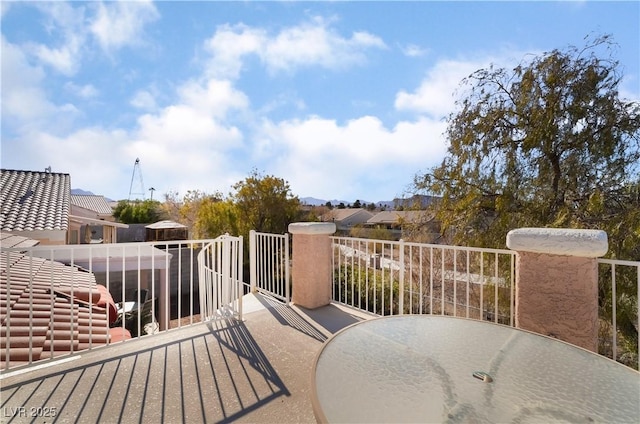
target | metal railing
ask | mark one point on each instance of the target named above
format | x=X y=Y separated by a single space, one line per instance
x=164 y=285
x=270 y=265
x=396 y=277
x=220 y=277
x=59 y=300
x=619 y=290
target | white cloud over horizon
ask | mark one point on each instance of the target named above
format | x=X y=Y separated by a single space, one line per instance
x=326 y=158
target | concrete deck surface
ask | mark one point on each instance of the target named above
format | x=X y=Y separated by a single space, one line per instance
x=257 y=370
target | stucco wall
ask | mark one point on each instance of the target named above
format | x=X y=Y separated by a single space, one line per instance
x=311 y=263
x=311 y=270
x=558 y=296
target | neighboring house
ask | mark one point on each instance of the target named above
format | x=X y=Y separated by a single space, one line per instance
x=394 y=220
x=35 y=204
x=91 y=220
x=97 y=205
x=400 y=223
x=345 y=219
x=69 y=312
x=39 y=206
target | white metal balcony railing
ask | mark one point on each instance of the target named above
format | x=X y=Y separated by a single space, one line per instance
x=59 y=300
x=270 y=266
x=162 y=286
x=619 y=287
x=396 y=277
x=220 y=278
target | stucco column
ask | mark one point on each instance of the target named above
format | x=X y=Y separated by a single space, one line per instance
x=557 y=282
x=311 y=268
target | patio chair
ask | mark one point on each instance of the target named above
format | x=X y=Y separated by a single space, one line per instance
x=148 y=323
x=130 y=305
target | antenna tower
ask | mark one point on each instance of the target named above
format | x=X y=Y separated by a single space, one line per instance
x=139 y=187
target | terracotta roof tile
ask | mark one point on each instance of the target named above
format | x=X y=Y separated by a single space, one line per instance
x=33 y=200
x=62 y=310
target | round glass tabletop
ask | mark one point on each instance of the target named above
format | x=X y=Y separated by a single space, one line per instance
x=421 y=368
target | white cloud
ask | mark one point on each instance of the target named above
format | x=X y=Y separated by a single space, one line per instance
x=180 y=148
x=413 y=50
x=86 y=91
x=64 y=59
x=89 y=155
x=216 y=98
x=23 y=100
x=438 y=91
x=143 y=99
x=25 y=104
x=312 y=43
x=316 y=44
x=4 y=8
x=282 y=100
x=229 y=45
x=324 y=159
x=181 y=127
x=435 y=95
x=188 y=144
x=119 y=24
x=63 y=19
x=114 y=25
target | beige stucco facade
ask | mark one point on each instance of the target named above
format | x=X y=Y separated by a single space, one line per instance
x=558 y=296
x=557 y=282
x=44 y=237
x=311 y=264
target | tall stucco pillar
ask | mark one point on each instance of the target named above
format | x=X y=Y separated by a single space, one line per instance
x=557 y=282
x=311 y=268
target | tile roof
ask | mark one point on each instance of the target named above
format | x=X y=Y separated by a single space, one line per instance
x=165 y=225
x=10 y=240
x=49 y=309
x=32 y=200
x=93 y=203
x=342 y=214
x=396 y=217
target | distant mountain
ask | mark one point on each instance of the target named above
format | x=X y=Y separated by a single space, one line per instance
x=81 y=192
x=405 y=203
x=312 y=201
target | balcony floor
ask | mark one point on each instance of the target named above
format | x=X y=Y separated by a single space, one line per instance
x=258 y=370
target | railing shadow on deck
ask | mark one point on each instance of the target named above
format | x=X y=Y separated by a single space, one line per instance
x=235 y=336
x=318 y=323
x=218 y=375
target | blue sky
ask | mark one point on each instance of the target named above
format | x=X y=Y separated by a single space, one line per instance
x=344 y=100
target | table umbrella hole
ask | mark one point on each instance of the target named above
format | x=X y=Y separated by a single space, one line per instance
x=481 y=375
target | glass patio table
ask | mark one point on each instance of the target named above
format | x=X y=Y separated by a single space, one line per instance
x=422 y=368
